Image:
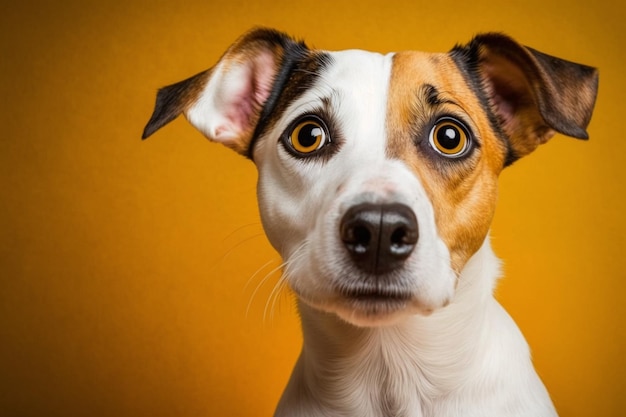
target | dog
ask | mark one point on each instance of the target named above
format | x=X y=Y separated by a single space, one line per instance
x=378 y=178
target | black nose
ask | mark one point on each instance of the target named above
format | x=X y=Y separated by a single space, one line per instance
x=379 y=237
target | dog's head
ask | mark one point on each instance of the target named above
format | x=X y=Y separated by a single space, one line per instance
x=378 y=173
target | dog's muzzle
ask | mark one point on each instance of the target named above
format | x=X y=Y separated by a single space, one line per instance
x=379 y=237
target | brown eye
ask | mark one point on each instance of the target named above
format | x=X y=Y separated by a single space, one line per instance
x=449 y=137
x=308 y=136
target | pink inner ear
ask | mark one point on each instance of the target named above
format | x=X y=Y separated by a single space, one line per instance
x=264 y=70
x=249 y=90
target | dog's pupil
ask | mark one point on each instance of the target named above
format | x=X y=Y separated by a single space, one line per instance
x=309 y=135
x=448 y=137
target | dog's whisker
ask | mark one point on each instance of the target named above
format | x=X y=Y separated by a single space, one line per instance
x=274 y=295
x=260 y=284
x=240 y=228
x=249 y=281
x=282 y=283
x=237 y=245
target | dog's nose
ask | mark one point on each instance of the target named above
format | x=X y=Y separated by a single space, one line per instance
x=379 y=237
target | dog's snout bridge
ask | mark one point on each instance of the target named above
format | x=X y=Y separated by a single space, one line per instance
x=379 y=237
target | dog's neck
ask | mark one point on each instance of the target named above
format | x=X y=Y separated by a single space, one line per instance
x=382 y=368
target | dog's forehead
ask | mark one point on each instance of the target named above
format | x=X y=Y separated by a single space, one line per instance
x=395 y=81
x=404 y=67
x=352 y=81
x=407 y=69
x=353 y=64
x=394 y=91
x=427 y=66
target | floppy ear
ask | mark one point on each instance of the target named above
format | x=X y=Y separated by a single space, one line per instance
x=225 y=102
x=532 y=95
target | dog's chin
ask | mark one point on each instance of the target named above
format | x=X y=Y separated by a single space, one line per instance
x=375 y=315
x=374 y=309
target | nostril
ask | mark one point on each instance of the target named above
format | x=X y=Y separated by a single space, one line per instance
x=357 y=237
x=402 y=241
x=402 y=231
x=398 y=236
x=360 y=233
x=404 y=235
x=361 y=238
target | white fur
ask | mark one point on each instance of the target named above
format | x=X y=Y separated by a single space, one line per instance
x=465 y=359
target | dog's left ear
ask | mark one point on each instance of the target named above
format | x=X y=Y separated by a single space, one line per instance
x=531 y=94
x=225 y=102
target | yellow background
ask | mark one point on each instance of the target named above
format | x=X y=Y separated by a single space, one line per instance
x=129 y=269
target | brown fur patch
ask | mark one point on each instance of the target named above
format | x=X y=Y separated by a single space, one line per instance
x=463 y=192
x=172 y=100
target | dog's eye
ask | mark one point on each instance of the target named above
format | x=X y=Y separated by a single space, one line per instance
x=309 y=135
x=449 y=137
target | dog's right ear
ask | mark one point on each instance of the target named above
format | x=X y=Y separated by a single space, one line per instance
x=225 y=102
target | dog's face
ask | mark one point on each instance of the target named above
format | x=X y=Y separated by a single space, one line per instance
x=380 y=126
x=378 y=173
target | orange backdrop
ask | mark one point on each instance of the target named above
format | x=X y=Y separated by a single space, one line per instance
x=134 y=276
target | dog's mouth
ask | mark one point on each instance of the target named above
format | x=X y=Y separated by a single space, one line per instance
x=376 y=295
x=375 y=301
x=373 y=305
